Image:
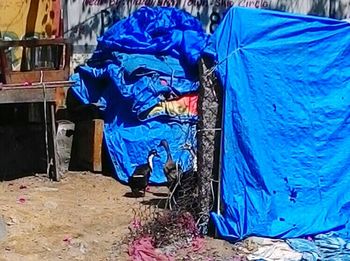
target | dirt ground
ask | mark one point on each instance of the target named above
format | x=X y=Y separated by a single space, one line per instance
x=83 y=217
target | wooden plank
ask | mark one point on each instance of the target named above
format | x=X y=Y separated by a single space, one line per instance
x=34 y=42
x=34 y=76
x=60 y=97
x=4 y=67
x=36 y=85
x=97 y=145
x=56 y=175
x=82 y=149
x=87 y=145
x=26 y=96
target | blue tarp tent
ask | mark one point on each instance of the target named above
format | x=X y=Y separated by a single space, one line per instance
x=143 y=76
x=286 y=124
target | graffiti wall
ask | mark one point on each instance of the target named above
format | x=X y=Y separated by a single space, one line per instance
x=87 y=19
x=27 y=18
x=21 y=19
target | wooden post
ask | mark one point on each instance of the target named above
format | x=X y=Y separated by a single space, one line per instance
x=87 y=145
x=208 y=138
x=55 y=175
x=97 y=137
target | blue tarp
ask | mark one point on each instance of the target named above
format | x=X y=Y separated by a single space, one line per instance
x=323 y=247
x=286 y=124
x=142 y=62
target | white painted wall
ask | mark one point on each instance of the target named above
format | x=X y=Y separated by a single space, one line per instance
x=87 y=19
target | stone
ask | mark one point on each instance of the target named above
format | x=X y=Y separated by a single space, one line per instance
x=3 y=231
x=11 y=221
x=46 y=189
x=50 y=205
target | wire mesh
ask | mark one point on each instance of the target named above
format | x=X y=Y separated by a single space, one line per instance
x=195 y=192
x=192 y=196
x=164 y=227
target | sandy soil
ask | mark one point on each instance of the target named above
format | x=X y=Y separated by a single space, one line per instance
x=83 y=217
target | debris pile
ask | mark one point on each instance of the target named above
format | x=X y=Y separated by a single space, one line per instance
x=166 y=231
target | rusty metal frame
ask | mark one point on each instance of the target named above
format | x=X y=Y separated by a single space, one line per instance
x=37 y=86
x=61 y=73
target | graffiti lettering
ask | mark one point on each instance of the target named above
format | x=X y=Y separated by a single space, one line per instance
x=197 y=3
x=210 y=12
x=95 y=2
x=116 y=3
x=216 y=17
x=242 y=3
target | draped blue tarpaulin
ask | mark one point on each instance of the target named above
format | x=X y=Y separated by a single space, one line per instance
x=286 y=124
x=142 y=61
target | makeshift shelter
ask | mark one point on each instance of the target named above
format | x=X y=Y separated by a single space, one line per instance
x=144 y=77
x=285 y=160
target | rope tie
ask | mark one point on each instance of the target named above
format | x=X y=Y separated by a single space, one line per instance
x=48 y=161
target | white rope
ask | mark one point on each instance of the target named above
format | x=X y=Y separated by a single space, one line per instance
x=212 y=69
x=213 y=129
x=46 y=128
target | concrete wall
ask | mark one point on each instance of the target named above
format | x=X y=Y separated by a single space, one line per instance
x=20 y=18
x=28 y=18
x=85 y=20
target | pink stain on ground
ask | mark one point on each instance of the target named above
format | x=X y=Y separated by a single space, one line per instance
x=67 y=239
x=197 y=244
x=142 y=249
x=21 y=200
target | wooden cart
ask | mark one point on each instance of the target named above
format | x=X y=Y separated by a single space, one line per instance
x=37 y=83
